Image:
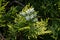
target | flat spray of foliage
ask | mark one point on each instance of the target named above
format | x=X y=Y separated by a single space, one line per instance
x=26 y=21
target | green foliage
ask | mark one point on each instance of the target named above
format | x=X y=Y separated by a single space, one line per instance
x=54 y=28
x=30 y=22
x=2 y=14
x=31 y=28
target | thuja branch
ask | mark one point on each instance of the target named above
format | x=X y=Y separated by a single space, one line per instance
x=1 y=37
x=17 y=2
